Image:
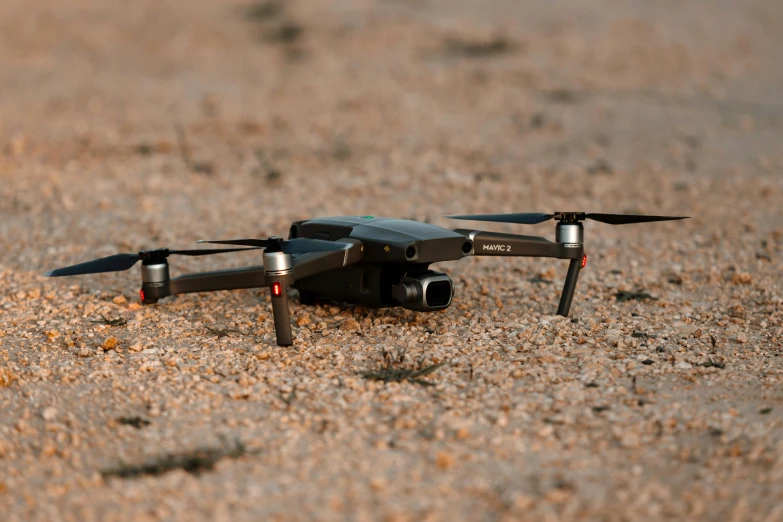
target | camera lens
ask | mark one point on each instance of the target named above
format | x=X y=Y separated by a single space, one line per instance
x=410 y=252
x=438 y=293
x=467 y=246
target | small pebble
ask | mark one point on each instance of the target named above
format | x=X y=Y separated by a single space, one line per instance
x=444 y=460
x=49 y=414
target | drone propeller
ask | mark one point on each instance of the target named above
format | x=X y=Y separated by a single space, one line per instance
x=533 y=218
x=527 y=218
x=291 y=246
x=121 y=262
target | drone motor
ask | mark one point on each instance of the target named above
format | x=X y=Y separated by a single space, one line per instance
x=570 y=235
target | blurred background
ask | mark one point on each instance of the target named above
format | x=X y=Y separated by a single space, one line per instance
x=147 y=123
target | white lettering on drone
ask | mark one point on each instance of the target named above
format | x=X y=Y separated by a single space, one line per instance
x=497 y=248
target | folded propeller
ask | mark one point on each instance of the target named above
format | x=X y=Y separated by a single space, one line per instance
x=534 y=218
x=121 y=262
x=287 y=246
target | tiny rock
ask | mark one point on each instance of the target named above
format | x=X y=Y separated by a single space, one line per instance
x=557 y=496
x=378 y=484
x=444 y=460
x=16 y=144
x=741 y=278
x=240 y=394
x=684 y=365
x=742 y=338
x=48 y=449
x=630 y=439
x=120 y=299
x=49 y=414
x=110 y=343
x=350 y=325
x=7 y=377
x=522 y=501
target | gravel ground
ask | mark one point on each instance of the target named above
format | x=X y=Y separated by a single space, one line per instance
x=129 y=125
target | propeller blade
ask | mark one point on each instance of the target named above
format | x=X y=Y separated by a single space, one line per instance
x=627 y=219
x=206 y=251
x=527 y=218
x=258 y=243
x=120 y=262
x=115 y=263
x=534 y=218
x=301 y=245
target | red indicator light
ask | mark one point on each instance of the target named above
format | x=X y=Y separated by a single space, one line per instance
x=141 y=294
x=584 y=260
x=277 y=289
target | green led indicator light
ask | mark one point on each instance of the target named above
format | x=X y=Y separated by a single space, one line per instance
x=367 y=217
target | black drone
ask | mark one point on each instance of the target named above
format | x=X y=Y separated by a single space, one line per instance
x=373 y=261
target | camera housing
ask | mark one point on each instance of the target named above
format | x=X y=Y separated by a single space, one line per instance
x=424 y=291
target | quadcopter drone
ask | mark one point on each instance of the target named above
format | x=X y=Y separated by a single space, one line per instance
x=373 y=261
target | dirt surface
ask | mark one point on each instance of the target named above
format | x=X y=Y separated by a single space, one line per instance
x=129 y=125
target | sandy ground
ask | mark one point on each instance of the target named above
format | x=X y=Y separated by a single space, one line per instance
x=640 y=410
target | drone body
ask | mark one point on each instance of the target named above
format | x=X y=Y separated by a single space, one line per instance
x=394 y=253
x=373 y=261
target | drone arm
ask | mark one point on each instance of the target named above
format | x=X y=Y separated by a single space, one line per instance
x=311 y=264
x=512 y=245
x=232 y=279
x=157 y=283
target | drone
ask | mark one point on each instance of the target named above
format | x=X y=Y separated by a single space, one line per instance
x=372 y=261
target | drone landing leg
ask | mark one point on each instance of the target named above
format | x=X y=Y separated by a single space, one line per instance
x=282 y=319
x=568 y=288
